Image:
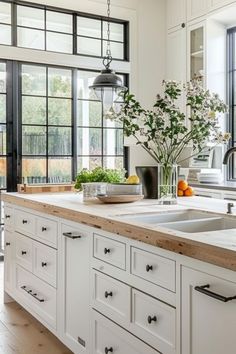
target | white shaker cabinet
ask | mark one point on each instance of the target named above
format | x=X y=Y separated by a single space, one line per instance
x=75 y=287
x=217 y=4
x=176 y=13
x=8 y=260
x=208 y=323
x=196 y=8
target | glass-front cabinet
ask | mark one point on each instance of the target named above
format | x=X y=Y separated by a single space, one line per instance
x=196 y=44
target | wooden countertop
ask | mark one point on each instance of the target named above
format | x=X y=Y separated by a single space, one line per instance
x=213 y=247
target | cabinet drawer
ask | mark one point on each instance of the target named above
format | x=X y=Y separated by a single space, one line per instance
x=153 y=268
x=24 y=251
x=24 y=222
x=45 y=263
x=110 y=338
x=46 y=230
x=111 y=297
x=37 y=295
x=8 y=216
x=154 y=322
x=108 y=250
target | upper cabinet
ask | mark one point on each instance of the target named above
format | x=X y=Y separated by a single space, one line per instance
x=176 y=13
x=197 y=8
x=216 y=4
x=196 y=42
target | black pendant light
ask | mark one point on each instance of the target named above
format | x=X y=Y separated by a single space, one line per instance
x=107 y=85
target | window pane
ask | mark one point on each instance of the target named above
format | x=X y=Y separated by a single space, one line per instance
x=33 y=110
x=3 y=172
x=59 y=82
x=34 y=170
x=59 y=170
x=59 y=111
x=2 y=77
x=86 y=79
x=34 y=80
x=113 y=142
x=108 y=123
x=88 y=46
x=116 y=31
x=5 y=34
x=89 y=113
x=117 y=49
x=57 y=42
x=30 y=17
x=60 y=22
x=89 y=141
x=5 y=13
x=30 y=38
x=3 y=150
x=59 y=141
x=33 y=140
x=113 y=162
x=2 y=108
x=89 y=27
x=88 y=162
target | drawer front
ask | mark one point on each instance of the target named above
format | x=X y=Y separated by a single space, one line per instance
x=24 y=251
x=37 y=295
x=45 y=263
x=111 y=297
x=24 y=222
x=153 y=321
x=109 y=251
x=110 y=338
x=46 y=230
x=8 y=217
x=153 y=268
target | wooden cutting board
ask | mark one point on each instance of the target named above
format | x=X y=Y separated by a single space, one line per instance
x=45 y=188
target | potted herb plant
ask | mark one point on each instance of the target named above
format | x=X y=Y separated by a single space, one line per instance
x=165 y=131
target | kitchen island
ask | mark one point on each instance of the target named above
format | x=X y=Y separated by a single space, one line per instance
x=109 y=278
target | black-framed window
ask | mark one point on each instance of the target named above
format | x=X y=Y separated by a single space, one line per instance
x=3 y=124
x=231 y=90
x=53 y=29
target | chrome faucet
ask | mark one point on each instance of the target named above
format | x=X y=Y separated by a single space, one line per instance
x=228 y=154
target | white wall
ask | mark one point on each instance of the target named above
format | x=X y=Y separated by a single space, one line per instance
x=147 y=47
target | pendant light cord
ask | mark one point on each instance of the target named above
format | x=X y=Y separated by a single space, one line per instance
x=108 y=58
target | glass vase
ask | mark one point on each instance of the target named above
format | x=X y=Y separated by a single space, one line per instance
x=167 y=184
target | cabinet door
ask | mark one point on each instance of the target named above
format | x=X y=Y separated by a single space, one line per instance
x=76 y=288
x=216 y=4
x=196 y=8
x=8 y=260
x=208 y=324
x=176 y=13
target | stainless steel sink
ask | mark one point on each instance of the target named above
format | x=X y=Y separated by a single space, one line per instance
x=169 y=216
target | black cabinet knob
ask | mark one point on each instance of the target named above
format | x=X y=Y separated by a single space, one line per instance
x=7 y=216
x=183 y=25
x=152 y=319
x=44 y=229
x=8 y=243
x=107 y=350
x=23 y=252
x=108 y=294
x=149 y=267
x=24 y=221
x=44 y=264
x=107 y=250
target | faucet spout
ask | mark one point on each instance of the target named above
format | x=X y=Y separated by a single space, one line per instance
x=228 y=154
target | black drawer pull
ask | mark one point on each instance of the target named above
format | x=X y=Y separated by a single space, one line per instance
x=24 y=221
x=7 y=216
x=108 y=294
x=149 y=267
x=107 y=350
x=30 y=292
x=203 y=289
x=8 y=243
x=107 y=250
x=71 y=235
x=23 y=252
x=44 y=264
x=44 y=229
x=152 y=319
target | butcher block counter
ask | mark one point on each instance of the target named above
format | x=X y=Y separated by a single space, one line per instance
x=215 y=247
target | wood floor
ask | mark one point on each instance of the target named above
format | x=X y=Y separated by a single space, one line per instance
x=20 y=333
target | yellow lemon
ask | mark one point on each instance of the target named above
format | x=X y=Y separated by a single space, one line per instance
x=132 y=179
